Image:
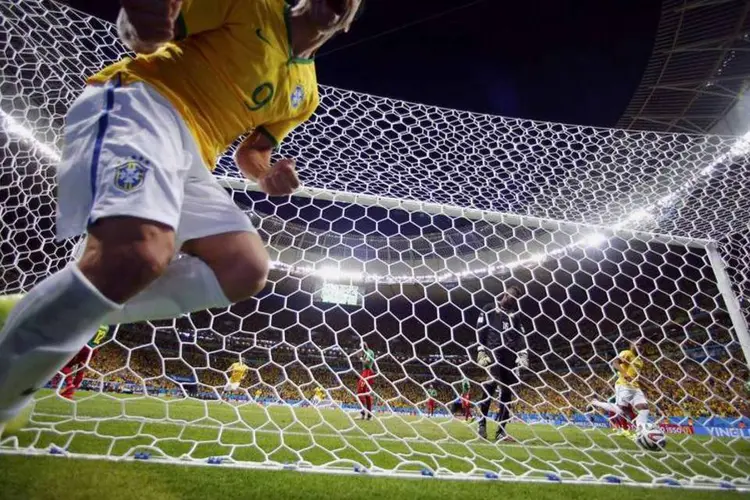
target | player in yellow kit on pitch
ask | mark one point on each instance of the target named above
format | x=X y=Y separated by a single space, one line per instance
x=237 y=372
x=319 y=396
x=628 y=391
x=134 y=174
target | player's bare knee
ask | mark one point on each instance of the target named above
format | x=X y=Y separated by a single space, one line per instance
x=124 y=255
x=147 y=260
x=129 y=268
x=239 y=260
x=247 y=278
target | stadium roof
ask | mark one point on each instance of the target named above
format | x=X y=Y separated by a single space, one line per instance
x=699 y=66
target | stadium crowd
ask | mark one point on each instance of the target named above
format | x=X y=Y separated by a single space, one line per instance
x=675 y=384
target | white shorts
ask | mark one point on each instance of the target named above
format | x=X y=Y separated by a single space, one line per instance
x=625 y=396
x=232 y=386
x=127 y=152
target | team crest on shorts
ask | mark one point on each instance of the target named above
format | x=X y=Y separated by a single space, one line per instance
x=298 y=96
x=130 y=175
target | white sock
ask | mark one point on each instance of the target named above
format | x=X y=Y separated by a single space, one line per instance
x=45 y=329
x=642 y=418
x=609 y=407
x=188 y=285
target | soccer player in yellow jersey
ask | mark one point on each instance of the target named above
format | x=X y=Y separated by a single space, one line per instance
x=237 y=372
x=318 y=396
x=627 y=389
x=139 y=144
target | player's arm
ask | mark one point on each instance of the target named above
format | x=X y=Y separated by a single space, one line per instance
x=483 y=358
x=253 y=157
x=145 y=25
x=522 y=356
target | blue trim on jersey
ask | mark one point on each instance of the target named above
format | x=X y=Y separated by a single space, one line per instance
x=99 y=142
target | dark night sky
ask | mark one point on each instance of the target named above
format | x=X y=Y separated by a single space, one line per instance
x=576 y=61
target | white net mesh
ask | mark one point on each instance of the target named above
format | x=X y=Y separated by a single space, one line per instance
x=413 y=217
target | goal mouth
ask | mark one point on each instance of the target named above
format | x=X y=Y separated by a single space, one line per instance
x=411 y=222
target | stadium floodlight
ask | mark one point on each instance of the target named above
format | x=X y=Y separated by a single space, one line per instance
x=26 y=135
x=328 y=273
x=740 y=147
x=413 y=219
x=593 y=240
x=637 y=216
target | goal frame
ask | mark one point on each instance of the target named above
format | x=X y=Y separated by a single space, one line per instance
x=30 y=115
x=236 y=184
x=723 y=282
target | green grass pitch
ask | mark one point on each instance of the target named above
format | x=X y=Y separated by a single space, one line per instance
x=47 y=478
x=120 y=426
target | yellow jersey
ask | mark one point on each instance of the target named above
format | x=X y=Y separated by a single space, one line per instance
x=99 y=337
x=319 y=393
x=229 y=71
x=634 y=367
x=237 y=372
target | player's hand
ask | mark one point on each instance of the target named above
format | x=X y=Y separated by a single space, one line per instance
x=152 y=20
x=522 y=359
x=483 y=359
x=351 y=6
x=281 y=180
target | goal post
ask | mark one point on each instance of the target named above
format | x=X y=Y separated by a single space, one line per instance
x=739 y=320
x=411 y=220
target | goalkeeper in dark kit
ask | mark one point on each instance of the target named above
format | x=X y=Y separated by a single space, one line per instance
x=502 y=351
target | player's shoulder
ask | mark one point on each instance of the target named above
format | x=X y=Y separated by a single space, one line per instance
x=260 y=6
x=262 y=15
x=488 y=307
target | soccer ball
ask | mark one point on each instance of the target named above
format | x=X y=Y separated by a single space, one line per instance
x=650 y=438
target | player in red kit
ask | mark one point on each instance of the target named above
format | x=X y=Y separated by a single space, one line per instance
x=432 y=393
x=466 y=399
x=462 y=405
x=622 y=419
x=364 y=388
x=75 y=370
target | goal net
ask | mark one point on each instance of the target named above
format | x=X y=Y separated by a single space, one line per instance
x=412 y=219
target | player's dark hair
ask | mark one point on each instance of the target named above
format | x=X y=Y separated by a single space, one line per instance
x=514 y=290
